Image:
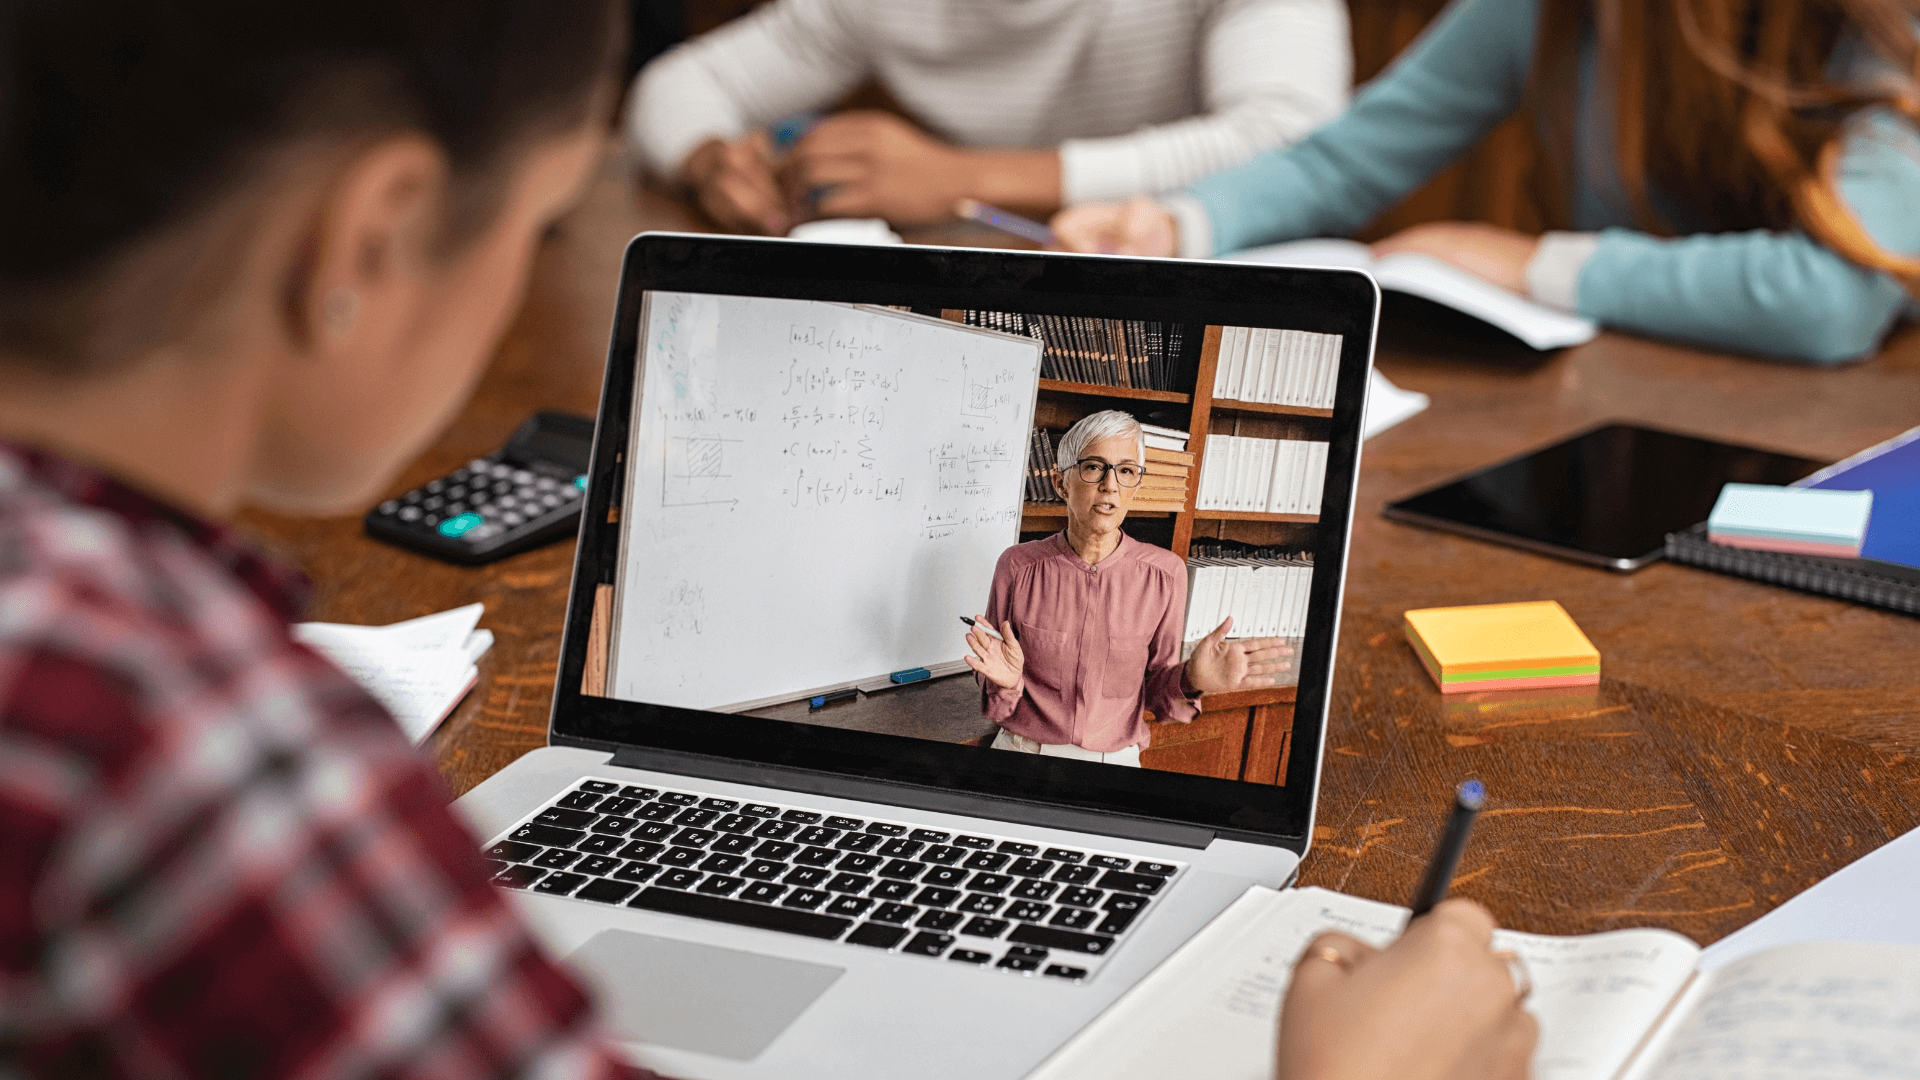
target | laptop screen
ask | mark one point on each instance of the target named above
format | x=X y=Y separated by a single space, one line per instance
x=914 y=515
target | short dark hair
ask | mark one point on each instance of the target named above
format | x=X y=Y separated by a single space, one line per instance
x=120 y=117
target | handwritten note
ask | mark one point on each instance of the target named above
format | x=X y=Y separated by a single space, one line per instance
x=1816 y=1010
x=814 y=492
x=418 y=669
x=1213 y=1009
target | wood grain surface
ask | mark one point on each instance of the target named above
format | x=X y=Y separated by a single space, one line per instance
x=1744 y=740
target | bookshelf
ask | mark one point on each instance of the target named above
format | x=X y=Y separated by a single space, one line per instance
x=1244 y=735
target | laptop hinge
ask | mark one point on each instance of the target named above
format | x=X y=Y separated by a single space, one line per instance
x=920 y=798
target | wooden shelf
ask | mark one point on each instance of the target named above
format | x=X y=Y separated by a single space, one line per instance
x=1263 y=407
x=1095 y=390
x=1059 y=510
x=1247 y=515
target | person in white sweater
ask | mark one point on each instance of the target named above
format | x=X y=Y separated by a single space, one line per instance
x=1028 y=104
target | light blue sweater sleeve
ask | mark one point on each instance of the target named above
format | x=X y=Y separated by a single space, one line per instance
x=1464 y=75
x=1772 y=294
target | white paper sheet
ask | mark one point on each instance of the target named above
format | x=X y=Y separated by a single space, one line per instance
x=418 y=669
x=1874 y=898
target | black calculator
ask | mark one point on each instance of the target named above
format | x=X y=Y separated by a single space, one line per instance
x=525 y=494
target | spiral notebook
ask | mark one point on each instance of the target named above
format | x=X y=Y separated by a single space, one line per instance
x=1887 y=573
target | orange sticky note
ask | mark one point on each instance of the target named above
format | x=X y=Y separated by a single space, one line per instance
x=1502 y=647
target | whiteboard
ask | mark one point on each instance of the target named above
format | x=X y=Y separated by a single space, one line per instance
x=816 y=493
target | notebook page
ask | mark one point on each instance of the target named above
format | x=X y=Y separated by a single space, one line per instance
x=1833 y=1010
x=1213 y=1009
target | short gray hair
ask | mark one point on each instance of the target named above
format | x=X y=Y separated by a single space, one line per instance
x=1094 y=428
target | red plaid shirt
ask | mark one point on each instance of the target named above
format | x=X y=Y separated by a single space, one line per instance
x=218 y=856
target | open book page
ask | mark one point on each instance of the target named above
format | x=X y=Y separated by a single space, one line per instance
x=1831 y=1010
x=1213 y=1008
x=1420 y=275
x=418 y=669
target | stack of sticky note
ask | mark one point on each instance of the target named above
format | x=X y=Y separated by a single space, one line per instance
x=1502 y=647
x=1801 y=521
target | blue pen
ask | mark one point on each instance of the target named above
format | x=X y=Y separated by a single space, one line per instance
x=821 y=701
x=1467 y=800
x=1012 y=224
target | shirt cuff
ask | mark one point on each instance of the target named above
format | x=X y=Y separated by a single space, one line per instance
x=1553 y=274
x=1196 y=228
x=1098 y=170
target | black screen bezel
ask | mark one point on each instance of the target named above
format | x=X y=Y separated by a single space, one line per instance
x=1323 y=301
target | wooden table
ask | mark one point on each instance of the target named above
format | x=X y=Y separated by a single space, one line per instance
x=1745 y=742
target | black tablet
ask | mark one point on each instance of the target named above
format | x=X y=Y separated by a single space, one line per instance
x=1607 y=496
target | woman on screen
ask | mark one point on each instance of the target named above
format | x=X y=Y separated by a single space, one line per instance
x=1091 y=620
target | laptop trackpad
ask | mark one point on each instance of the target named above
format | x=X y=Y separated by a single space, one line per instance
x=710 y=1000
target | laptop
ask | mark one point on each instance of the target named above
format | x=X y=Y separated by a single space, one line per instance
x=770 y=850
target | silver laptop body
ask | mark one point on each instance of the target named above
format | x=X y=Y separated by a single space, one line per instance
x=745 y=979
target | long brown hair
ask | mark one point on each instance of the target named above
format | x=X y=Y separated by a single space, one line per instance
x=1725 y=105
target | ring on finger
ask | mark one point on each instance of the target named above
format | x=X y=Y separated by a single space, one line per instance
x=1332 y=956
x=1517 y=970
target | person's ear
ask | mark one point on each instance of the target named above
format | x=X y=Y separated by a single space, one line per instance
x=367 y=244
x=1059 y=481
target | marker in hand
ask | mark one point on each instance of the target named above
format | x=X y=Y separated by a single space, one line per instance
x=987 y=630
x=1467 y=801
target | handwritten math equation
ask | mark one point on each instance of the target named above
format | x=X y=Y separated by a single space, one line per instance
x=939 y=523
x=846 y=379
x=820 y=489
x=839 y=344
x=859 y=417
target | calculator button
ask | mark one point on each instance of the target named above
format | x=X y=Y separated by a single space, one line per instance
x=550 y=500
x=511 y=518
x=545 y=483
x=478 y=464
x=409 y=513
x=391 y=506
x=525 y=491
x=580 y=482
x=433 y=502
x=434 y=486
x=521 y=476
x=460 y=525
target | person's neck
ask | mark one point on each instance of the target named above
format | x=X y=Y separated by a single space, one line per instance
x=172 y=426
x=1091 y=546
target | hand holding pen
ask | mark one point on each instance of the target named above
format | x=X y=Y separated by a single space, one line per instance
x=998 y=658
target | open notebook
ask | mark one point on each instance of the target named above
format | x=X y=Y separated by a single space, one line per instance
x=419 y=669
x=1419 y=275
x=1630 y=1004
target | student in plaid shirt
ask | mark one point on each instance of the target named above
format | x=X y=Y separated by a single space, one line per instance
x=252 y=252
x=256 y=251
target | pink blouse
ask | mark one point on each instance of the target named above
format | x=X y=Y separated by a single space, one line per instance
x=1101 y=642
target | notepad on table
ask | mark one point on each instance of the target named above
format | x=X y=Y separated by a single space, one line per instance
x=1800 y=521
x=419 y=669
x=1502 y=647
x=1630 y=1004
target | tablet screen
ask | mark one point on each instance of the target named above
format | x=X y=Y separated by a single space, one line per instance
x=1608 y=496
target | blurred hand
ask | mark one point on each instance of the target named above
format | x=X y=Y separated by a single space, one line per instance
x=1219 y=665
x=736 y=185
x=1486 y=251
x=868 y=163
x=1136 y=227
x=1434 y=1005
x=1000 y=659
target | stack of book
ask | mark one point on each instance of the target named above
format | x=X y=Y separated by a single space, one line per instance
x=1165 y=485
x=1267 y=476
x=1133 y=353
x=1277 y=367
x=1267 y=597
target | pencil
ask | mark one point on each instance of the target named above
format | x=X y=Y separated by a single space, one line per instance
x=1013 y=224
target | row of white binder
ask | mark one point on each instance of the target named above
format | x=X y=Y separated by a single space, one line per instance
x=1266 y=597
x=1265 y=476
x=1277 y=367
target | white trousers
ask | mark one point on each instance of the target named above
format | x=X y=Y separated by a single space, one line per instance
x=1007 y=740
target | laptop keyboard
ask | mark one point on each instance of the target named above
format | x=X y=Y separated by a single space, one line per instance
x=967 y=898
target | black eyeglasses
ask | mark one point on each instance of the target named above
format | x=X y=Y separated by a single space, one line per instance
x=1093 y=471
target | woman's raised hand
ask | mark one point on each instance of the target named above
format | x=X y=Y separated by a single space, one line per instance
x=1136 y=227
x=997 y=658
x=1438 y=1004
x=1219 y=665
